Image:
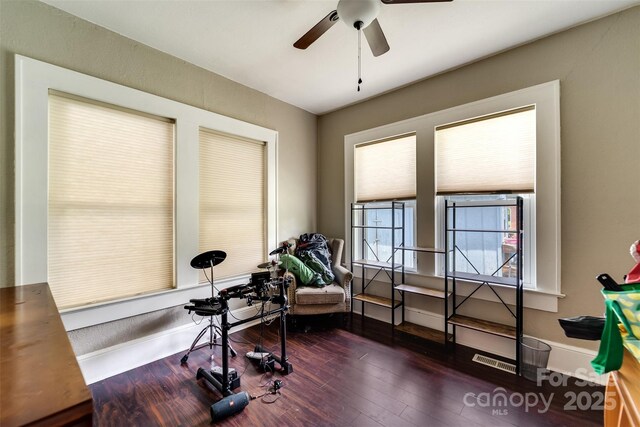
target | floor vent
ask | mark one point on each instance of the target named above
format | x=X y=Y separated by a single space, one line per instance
x=494 y=363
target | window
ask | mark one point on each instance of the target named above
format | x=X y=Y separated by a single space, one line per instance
x=385 y=170
x=154 y=195
x=110 y=206
x=541 y=206
x=232 y=201
x=490 y=154
x=539 y=116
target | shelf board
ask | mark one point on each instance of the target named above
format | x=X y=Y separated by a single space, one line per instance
x=421 y=331
x=373 y=208
x=479 y=204
x=505 y=281
x=378 y=264
x=420 y=249
x=434 y=293
x=484 y=326
x=377 y=227
x=481 y=230
x=377 y=300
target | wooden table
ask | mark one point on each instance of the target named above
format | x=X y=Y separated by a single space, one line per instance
x=40 y=380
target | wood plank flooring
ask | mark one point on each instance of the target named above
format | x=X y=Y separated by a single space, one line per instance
x=357 y=374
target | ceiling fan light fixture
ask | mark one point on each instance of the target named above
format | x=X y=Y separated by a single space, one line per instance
x=353 y=11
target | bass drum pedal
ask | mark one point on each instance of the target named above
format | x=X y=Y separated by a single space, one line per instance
x=266 y=361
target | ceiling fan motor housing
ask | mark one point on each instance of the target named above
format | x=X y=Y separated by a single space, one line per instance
x=352 y=12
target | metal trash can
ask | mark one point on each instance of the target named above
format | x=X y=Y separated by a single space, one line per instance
x=534 y=356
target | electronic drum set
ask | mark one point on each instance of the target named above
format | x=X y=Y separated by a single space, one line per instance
x=264 y=287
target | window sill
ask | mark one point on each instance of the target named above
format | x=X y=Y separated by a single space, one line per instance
x=95 y=314
x=536 y=299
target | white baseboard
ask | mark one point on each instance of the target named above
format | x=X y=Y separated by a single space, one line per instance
x=574 y=361
x=376 y=312
x=123 y=357
x=566 y=359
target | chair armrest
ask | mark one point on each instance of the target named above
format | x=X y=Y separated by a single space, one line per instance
x=291 y=292
x=343 y=276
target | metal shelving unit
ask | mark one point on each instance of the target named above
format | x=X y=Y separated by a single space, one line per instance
x=393 y=266
x=388 y=265
x=514 y=331
x=443 y=295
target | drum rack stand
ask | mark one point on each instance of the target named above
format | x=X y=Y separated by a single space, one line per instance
x=225 y=382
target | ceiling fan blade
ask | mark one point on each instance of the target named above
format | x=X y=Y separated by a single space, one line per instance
x=376 y=39
x=319 y=29
x=413 y=1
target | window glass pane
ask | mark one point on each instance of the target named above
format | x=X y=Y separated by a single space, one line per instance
x=378 y=242
x=488 y=253
x=110 y=205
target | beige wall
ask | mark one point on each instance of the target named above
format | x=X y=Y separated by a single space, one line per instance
x=598 y=65
x=41 y=32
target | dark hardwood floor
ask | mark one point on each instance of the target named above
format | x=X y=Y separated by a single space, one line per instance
x=356 y=374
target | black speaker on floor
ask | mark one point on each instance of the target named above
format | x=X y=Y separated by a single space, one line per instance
x=229 y=405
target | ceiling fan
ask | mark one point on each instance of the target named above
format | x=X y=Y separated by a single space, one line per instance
x=362 y=15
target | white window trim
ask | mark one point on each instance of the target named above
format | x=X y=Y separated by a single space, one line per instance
x=33 y=81
x=546 y=97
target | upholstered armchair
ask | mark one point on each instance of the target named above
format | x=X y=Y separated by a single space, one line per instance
x=333 y=298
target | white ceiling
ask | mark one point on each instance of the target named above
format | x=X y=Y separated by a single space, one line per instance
x=251 y=42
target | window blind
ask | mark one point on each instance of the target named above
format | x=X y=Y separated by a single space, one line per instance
x=232 y=201
x=110 y=205
x=386 y=170
x=489 y=154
